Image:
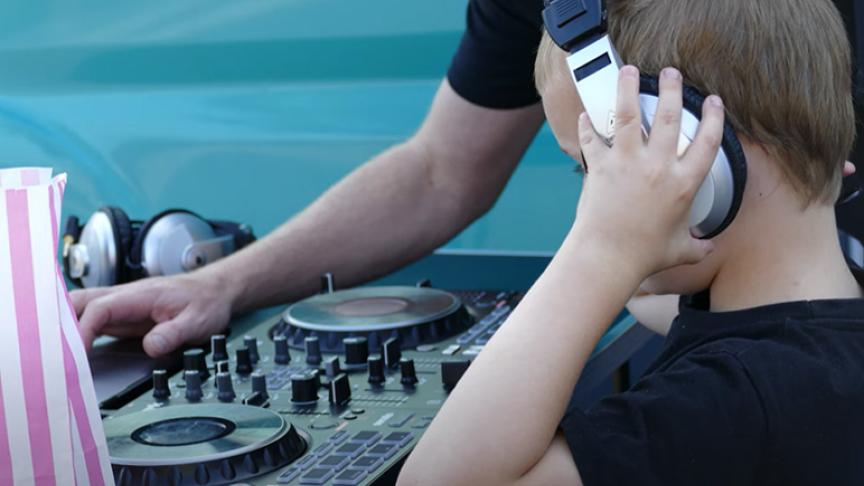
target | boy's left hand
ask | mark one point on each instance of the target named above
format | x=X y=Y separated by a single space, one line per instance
x=636 y=199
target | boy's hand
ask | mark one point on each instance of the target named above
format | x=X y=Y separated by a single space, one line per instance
x=637 y=196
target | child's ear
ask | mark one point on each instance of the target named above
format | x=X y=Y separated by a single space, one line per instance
x=848 y=169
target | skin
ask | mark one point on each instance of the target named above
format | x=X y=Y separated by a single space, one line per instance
x=632 y=217
x=394 y=209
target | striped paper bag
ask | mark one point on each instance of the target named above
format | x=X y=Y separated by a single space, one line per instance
x=50 y=426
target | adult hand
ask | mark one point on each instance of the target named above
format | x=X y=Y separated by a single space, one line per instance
x=637 y=195
x=167 y=311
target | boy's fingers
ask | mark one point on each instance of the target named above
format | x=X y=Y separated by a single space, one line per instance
x=628 y=119
x=592 y=146
x=666 y=127
x=702 y=152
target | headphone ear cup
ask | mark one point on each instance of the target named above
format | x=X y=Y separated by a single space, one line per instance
x=122 y=227
x=731 y=147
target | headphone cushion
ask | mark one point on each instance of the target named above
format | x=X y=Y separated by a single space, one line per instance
x=135 y=254
x=122 y=239
x=693 y=101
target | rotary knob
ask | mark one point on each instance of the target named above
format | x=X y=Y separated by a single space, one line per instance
x=244 y=362
x=304 y=387
x=193 y=386
x=251 y=343
x=225 y=388
x=313 y=350
x=218 y=349
x=409 y=375
x=161 y=392
x=193 y=359
x=376 y=369
x=332 y=367
x=281 y=355
x=356 y=352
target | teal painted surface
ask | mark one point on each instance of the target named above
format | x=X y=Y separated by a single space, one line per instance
x=242 y=110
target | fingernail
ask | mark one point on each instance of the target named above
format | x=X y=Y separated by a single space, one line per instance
x=716 y=101
x=671 y=73
x=158 y=343
x=630 y=71
x=583 y=118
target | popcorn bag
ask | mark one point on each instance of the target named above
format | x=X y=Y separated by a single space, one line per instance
x=50 y=427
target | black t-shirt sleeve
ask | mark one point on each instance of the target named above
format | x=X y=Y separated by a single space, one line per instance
x=701 y=421
x=494 y=65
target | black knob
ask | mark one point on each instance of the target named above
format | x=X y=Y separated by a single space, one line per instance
x=392 y=352
x=409 y=375
x=313 y=350
x=332 y=367
x=356 y=352
x=281 y=356
x=340 y=390
x=193 y=359
x=251 y=343
x=161 y=392
x=218 y=349
x=193 y=386
x=225 y=387
x=244 y=362
x=304 y=387
x=376 y=369
x=452 y=371
x=259 y=383
x=327 y=283
x=425 y=283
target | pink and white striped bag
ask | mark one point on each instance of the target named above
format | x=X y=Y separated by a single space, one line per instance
x=50 y=426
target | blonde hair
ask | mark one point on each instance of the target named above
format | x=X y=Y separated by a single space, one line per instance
x=782 y=67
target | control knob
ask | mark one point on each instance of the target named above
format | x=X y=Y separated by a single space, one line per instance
x=193 y=386
x=281 y=355
x=376 y=369
x=356 y=352
x=218 y=348
x=313 y=350
x=193 y=359
x=225 y=387
x=409 y=375
x=161 y=392
x=304 y=387
x=244 y=362
x=251 y=343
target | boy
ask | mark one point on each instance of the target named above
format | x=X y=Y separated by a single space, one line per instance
x=762 y=378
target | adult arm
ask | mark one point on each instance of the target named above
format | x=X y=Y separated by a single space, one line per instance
x=394 y=209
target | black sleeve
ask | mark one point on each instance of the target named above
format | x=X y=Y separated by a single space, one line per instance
x=699 y=422
x=494 y=65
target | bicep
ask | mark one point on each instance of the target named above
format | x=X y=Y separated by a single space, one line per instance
x=470 y=144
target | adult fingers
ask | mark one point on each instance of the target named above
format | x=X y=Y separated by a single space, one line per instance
x=121 y=307
x=697 y=250
x=666 y=127
x=169 y=335
x=628 y=116
x=702 y=152
x=80 y=297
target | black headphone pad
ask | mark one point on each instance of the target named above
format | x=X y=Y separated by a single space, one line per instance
x=122 y=239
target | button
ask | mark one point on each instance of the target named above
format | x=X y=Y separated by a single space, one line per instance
x=335 y=462
x=421 y=424
x=288 y=475
x=349 y=416
x=322 y=449
x=350 y=477
x=338 y=437
x=350 y=449
x=452 y=371
x=426 y=348
x=319 y=475
x=398 y=421
x=306 y=461
x=358 y=411
x=367 y=437
x=400 y=438
x=383 y=450
x=323 y=423
x=369 y=463
x=451 y=350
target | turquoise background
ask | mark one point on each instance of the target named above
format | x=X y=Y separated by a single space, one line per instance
x=242 y=110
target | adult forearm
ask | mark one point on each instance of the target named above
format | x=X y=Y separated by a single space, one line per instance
x=383 y=215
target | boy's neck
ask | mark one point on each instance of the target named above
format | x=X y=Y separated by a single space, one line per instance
x=795 y=256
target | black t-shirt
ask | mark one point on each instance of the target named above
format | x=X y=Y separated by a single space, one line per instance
x=767 y=396
x=494 y=67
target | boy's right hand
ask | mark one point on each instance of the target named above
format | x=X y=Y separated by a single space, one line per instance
x=167 y=311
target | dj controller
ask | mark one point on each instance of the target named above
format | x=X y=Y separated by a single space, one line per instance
x=336 y=390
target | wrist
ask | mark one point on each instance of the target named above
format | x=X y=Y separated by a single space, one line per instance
x=625 y=262
x=228 y=284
